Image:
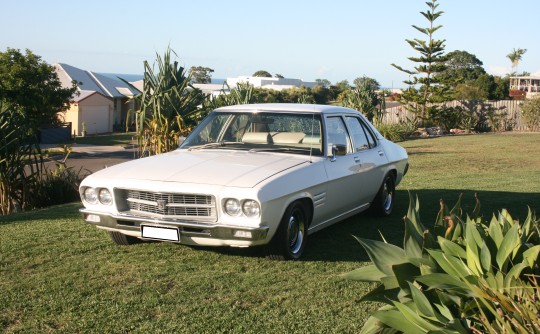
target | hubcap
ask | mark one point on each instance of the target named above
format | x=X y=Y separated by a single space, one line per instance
x=387 y=197
x=295 y=232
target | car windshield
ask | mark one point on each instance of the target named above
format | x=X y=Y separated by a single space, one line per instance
x=258 y=131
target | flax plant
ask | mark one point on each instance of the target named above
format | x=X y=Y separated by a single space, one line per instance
x=169 y=106
x=21 y=162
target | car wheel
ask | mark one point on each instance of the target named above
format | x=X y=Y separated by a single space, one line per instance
x=384 y=201
x=122 y=239
x=290 y=239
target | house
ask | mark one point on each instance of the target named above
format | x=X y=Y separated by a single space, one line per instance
x=524 y=87
x=102 y=103
x=271 y=83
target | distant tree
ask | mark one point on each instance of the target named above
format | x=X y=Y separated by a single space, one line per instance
x=30 y=85
x=361 y=81
x=461 y=67
x=501 y=89
x=31 y=95
x=262 y=73
x=323 y=82
x=343 y=85
x=201 y=75
x=278 y=76
x=362 y=98
x=430 y=62
x=322 y=95
x=515 y=57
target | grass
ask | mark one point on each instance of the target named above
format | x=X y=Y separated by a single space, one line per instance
x=58 y=274
x=114 y=139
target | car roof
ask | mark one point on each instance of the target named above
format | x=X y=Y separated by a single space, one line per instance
x=288 y=107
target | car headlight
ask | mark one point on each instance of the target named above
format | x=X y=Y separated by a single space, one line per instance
x=105 y=197
x=251 y=208
x=90 y=195
x=232 y=207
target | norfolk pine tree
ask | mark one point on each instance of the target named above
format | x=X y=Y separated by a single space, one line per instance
x=430 y=62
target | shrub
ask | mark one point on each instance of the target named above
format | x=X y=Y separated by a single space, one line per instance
x=397 y=131
x=461 y=276
x=530 y=110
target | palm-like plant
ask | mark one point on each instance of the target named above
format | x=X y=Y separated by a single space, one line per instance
x=515 y=57
x=169 y=106
x=21 y=161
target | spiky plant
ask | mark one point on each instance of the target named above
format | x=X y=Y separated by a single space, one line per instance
x=169 y=106
x=457 y=277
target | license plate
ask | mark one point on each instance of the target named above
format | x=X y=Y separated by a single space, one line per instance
x=160 y=233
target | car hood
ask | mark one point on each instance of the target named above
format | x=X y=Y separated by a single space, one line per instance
x=225 y=168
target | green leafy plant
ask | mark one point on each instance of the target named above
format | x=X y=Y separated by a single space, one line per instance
x=463 y=275
x=397 y=131
x=21 y=161
x=169 y=106
x=425 y=86
x=530 y=110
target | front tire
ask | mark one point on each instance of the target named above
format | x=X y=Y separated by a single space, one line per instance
x=122 y=239
x=384 y=201
x=290 y=239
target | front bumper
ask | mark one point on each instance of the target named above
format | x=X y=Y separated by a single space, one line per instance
x=191 y=233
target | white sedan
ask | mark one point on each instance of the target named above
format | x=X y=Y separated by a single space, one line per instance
x=248 y=175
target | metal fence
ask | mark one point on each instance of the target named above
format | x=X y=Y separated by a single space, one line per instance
x=510 y=109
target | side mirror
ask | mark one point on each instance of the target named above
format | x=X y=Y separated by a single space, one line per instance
x=333 y=150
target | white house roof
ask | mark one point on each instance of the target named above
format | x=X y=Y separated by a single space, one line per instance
x=88 y=81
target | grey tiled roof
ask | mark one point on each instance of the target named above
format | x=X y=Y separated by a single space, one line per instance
x=95 y=82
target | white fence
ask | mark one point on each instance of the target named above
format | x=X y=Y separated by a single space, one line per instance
x=511 y=108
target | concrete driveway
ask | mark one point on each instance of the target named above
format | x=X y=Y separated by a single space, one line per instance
x=93 y=158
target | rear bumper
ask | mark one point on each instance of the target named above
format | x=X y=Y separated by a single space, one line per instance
x=191 y=233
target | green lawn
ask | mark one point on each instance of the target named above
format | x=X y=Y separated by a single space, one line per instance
x=58 y=274
x=113 y=139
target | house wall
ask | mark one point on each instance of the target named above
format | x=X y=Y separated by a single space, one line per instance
x=71 y=115
x=263 y=81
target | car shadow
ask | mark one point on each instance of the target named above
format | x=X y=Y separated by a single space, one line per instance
x=337 y=243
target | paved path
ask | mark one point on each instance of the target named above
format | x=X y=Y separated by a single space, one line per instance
x=93 y=158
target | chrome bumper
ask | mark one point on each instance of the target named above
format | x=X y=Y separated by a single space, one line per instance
x=131 y=225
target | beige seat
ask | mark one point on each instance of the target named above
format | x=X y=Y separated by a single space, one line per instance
x=257 y=137
x=288 y=137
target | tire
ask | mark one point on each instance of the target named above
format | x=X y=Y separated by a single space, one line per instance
x=384 y=200
x=122 y=239
x=290 y=239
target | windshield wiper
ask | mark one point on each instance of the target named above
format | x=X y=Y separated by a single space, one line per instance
x=215 y=144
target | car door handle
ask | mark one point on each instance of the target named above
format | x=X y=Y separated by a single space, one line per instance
x=381 y=153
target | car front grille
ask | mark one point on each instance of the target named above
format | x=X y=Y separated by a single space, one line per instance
x=167 y=205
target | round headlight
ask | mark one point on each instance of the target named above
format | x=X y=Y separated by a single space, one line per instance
x=90 y=195
x=251 y=208
x=232 y=207
x=105 y=197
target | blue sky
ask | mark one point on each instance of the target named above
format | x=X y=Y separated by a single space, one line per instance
x=306 y=39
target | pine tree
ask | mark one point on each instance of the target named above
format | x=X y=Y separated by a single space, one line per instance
x=431 y=89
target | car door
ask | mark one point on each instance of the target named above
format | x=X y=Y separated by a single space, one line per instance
x=369 y=159
x=342 y=170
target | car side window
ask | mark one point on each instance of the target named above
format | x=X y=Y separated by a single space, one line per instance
x=358 y=134
x=370 y=136
x=336 y=134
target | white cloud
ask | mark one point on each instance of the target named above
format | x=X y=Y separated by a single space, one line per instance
x=536 y=74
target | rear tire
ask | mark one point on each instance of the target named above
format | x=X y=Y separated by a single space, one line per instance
x=123 y=240
x=290 y=239
x=384 y=201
